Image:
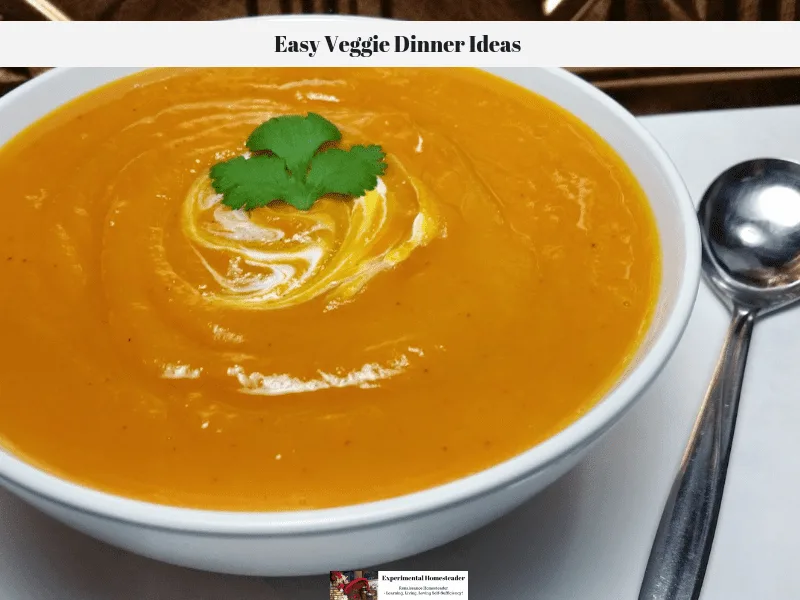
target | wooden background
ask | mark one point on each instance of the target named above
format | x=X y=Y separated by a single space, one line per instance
x=457 y=10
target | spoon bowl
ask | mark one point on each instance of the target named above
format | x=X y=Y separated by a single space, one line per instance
x=750 y=216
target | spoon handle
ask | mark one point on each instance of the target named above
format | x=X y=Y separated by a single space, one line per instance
x=682 y=545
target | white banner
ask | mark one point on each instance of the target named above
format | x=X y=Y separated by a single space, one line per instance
x=422 y=584
x=349 y=41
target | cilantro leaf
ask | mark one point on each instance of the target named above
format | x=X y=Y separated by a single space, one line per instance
x=294 y=138
x=289 y=166
x=251 y=182
x=351 y=172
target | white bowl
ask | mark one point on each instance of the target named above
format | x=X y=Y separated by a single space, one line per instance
x=316 y=541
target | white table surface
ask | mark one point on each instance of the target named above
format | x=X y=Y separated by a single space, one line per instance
x=588 y=536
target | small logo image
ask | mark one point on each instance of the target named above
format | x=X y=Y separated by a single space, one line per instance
x=354 y=585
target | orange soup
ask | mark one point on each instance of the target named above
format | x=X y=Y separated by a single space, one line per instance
x=161 y=346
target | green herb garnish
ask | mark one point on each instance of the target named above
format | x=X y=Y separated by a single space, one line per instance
x=287 y=164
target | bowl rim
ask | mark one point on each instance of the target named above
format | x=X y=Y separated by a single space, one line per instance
x=31 y=481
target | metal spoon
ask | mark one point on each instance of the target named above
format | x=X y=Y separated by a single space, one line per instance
x=750 y=220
